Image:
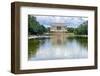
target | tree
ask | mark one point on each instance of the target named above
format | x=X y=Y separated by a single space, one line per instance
x=82 y=29
x=70 y=29
x=34 y=26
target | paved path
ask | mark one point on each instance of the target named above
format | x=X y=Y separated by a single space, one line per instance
x=33 y=37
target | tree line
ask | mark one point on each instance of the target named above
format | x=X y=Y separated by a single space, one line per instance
x=34 y=27
x=82 y=29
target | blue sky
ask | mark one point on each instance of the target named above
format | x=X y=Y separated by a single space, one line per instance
x=69 y=21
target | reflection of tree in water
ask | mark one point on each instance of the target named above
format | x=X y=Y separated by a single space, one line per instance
x=83 y=41
x=33 y=45
x=42 y=41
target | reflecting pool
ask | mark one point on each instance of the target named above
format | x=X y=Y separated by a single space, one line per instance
x=57 y=47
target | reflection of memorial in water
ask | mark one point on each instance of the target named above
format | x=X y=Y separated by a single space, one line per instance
x=58 y=38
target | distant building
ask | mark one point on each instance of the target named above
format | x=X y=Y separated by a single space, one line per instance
x=58 y=26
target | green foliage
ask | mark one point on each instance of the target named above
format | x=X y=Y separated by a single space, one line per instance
x=70 y=29
x=34 y=26
x=82 y=29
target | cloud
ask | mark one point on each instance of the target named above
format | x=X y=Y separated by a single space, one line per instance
x=69 y=21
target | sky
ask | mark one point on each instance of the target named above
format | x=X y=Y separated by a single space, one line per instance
x=69 y=21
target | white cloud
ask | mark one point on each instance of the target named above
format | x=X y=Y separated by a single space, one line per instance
x=68 y=20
